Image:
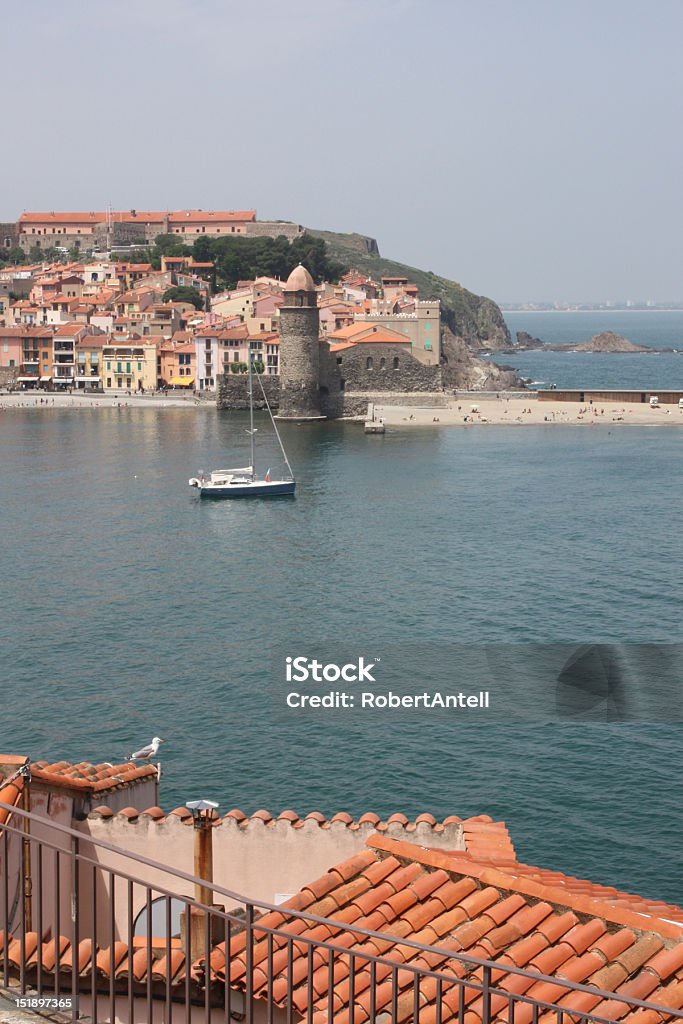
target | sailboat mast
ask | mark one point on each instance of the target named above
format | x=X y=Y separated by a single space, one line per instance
x=251 y=414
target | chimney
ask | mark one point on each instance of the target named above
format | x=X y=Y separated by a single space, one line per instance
x=193 y=928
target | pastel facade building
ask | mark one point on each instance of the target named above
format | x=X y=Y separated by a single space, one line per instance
x=10 y=347
x=129 y=364
x=36 y=356
x=422 y=326
x=88 y=230
x=177 y=361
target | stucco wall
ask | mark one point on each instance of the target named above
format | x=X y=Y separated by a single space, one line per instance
x=254 y=859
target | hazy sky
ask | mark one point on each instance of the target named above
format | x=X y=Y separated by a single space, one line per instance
x=528 y=150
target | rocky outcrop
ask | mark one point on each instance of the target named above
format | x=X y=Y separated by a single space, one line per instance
x=462 y=369
x=527 y=341
x=608 y=341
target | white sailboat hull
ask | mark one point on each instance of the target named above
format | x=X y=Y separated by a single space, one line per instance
x=237 y=488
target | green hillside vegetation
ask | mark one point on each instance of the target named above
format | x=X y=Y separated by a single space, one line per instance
x=475 y=318
x=239 y=258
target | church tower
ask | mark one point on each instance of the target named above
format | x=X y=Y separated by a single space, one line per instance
x=299 y=349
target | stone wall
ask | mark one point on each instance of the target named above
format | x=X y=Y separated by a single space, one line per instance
x=232 y=391
x=346 y=373
x=272 y=229
x=411 y=384
x=299 y=361
x=8 y=234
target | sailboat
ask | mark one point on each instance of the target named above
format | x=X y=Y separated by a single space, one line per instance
x=244 y=483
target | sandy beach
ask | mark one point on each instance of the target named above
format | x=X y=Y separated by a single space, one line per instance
x=470 y=412
x=521 y=412
x=63 y=400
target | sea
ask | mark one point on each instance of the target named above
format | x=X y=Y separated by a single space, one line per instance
x=132 y=609
x=658 y=329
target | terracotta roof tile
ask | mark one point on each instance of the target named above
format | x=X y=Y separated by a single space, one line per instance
x=10 y=793
x=545 y=937
x=91 y=778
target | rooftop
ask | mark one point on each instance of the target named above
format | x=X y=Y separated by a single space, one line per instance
x=90 y=778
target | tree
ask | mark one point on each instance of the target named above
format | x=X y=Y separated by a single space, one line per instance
x=183 y=293
x=243 y=258
x=170 y=245
x=15 y=255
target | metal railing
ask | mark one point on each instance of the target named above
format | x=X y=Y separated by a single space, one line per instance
x=76 y=921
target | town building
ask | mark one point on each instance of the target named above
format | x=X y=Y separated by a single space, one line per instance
x=129 y=363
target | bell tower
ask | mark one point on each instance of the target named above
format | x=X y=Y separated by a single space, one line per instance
x=300 y=349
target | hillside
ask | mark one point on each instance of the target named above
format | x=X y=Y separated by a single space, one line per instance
x=474 y=318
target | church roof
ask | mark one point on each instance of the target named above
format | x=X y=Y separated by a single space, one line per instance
x=300 y=280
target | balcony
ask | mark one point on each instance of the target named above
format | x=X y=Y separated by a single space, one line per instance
x=149 y=950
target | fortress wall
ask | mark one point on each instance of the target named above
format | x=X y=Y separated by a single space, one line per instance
x=232 y=391
x=272 y=229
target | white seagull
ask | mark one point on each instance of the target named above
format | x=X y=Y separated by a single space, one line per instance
x=148 y=752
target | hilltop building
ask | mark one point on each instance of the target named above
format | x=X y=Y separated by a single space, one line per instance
x=113 y=228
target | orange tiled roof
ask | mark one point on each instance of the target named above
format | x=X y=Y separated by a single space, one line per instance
x=355 y=331
x=453 y=902
x=10 y=793
x=152 y=216
x=463 y=906
x=367 y=820
x=90 y=778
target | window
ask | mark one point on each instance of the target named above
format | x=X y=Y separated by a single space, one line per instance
x=140 y=366
x=108 y=382
x=395 y=362
x=382 y=363
x=159 y=919
x=342 y=385
x=369 y=363
x=127 y=367
x=339 y=360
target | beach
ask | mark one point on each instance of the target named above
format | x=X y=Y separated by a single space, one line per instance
x=461 y=412
x=520 y=412
x=121 y=399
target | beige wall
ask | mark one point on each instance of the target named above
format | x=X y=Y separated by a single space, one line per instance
x=258 y=861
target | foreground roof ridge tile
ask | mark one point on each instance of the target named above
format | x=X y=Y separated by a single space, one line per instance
x=506 y=877
x=342 y=819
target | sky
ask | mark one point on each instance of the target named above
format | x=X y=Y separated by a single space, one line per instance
x=530 y=150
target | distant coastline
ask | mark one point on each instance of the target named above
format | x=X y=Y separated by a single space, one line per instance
x=593 y=312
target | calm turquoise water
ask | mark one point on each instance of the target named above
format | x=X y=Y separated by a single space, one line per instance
x=577 y=369
x=129 y=609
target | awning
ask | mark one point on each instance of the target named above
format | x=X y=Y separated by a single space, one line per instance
x=182 y=382
x=88 y=380
x=27 y=380
x=45 y=380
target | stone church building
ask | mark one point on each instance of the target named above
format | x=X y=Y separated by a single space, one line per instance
x=330 y=378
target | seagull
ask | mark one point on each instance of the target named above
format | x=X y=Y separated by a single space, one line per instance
x=148 y=752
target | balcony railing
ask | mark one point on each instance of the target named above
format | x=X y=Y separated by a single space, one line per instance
x=83 y=918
